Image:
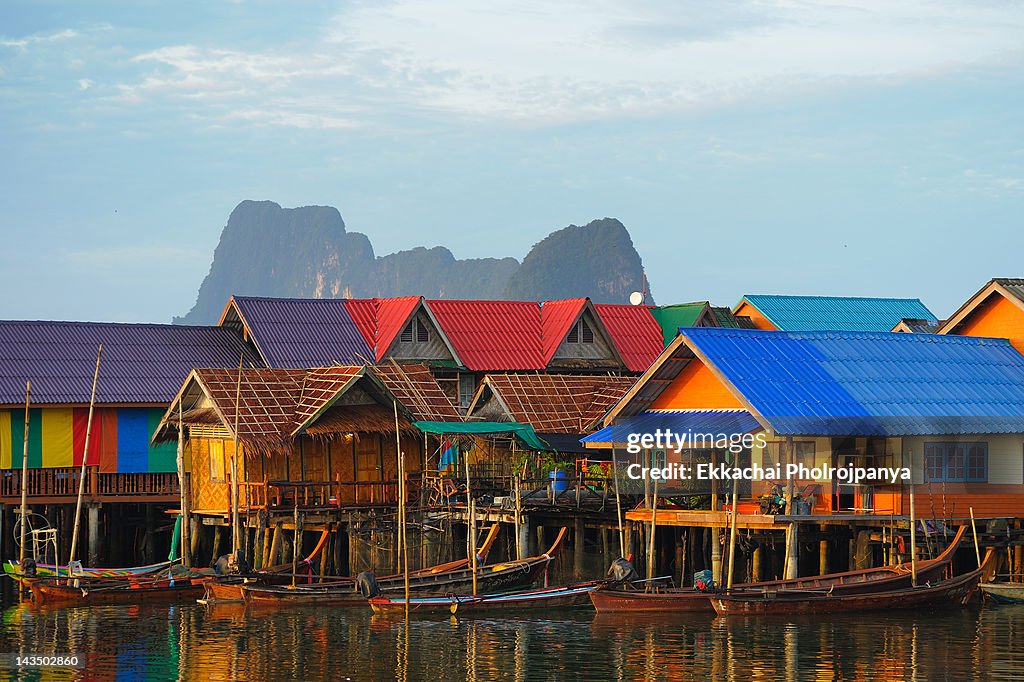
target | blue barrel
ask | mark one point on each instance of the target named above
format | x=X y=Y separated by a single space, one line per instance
x=559 y=481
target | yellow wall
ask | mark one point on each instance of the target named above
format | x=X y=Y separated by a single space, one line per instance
x=998 y=317
x=696 y=388
x=759 y=320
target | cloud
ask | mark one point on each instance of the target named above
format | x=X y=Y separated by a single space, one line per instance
x=84 y=83
x=24 y=43
x=542 y=63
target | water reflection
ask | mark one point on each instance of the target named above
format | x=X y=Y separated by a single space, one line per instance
x=228 y=642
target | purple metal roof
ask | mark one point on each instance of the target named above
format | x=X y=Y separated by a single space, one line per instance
x=298 y=333
x=142 y=363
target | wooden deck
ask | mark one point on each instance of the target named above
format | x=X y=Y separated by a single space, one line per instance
x=60 y=486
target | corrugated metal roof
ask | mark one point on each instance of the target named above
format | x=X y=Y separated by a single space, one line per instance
x=870 y=383
x=672 y=317
x=492 y=335
x=823 y=313
x=635 y=332
x=555 y=319
x=363 y=312
x=142 y=363
x=557 y=403
x=1013 y=285
x=380 y=320
x=295 y=332
x=682 y=422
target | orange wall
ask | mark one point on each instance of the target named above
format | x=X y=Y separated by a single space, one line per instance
x=759 y=320
x=696 y=388
x=997 y=317
x=989 y=500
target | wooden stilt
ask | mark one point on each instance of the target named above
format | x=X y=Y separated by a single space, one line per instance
x=756 y=558
x=577 y=548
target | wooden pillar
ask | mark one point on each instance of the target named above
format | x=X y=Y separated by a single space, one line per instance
x=577 y=548
x=217 y=532
x=275 y=545
x=524 y=537
x=606 y=558
x=716 y=555
x=681 y=555
x=260 y=546
x=353 y=548
x=540 y=538
x=755 y=564
x=195 y=536
x=339 y=557
x=93 y=518
x=792 y=569
x=629 y=540
x=863 y=555
x=822 y=557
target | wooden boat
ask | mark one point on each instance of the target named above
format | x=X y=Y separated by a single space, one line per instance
x=1003 y=593
x=492 y=578
x=566 y=596
x=75 y=591
x=619 y=600
x=953 y=592
x=232 y=588
x=12 y=569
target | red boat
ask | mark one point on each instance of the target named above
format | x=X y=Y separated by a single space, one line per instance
x=72 y=591
x=953 y=592
x=551 y=597
x=681 y=600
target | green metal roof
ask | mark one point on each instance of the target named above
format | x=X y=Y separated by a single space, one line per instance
x=672 y=317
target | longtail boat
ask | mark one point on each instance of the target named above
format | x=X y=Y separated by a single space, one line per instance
x=232 y=588
x=551 y=597
x=671 y=600
x=1003 y=593
x=953 y=592
x=74 y=591
x=12 y=569
x=491 y=578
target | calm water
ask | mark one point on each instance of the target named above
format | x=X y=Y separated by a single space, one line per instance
x=194 y=642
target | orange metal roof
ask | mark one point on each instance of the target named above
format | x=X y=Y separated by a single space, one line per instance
x=634 y=331
x=492 y=335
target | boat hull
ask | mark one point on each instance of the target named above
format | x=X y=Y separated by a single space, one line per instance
x=1004 y=593
x=953 y=592
x=62 y=591
x=568 y=596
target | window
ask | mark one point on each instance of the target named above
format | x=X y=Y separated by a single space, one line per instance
x=956 y=462
x=580 y=333
x=417 y=331
x=217 y=461
x=467 y=387
x=773 y=450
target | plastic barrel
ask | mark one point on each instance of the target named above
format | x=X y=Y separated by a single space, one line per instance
x=559 y=481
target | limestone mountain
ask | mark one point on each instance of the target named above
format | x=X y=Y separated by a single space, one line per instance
x=267 y=250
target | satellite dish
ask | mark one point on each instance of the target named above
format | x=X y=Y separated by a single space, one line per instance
x=636 y=298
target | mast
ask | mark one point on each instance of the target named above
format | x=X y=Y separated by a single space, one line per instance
x=236 y=530
x=85 y=460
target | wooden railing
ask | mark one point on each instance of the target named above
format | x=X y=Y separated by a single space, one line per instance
x=63 y=483
x=325 y=494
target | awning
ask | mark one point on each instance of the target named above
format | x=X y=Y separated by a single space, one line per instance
x=524 y=432
x=692 y=423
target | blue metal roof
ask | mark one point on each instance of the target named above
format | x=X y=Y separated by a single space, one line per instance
x=870 y=383
x=298 y=332
x=142 y=363
x=682 y=422
x=821 y=313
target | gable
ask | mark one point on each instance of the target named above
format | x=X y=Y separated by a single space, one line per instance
x=997 y=317
x=745 y=309
x=418 y=339
x=584 y=342
x=696 y=388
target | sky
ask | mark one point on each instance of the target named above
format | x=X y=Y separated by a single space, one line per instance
x=861 y=148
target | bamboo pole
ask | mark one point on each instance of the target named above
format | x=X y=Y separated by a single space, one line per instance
x=974 y=532
x=235 y=529
x=913 y=540
x=296 y=539
x=85 y=460
x=471 y=511
x=654 y=521
x=402 y=521
x=618 y=503
x=24 y=481
x=186 y=559
x=732 y=533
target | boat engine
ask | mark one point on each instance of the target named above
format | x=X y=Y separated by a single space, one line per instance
x=367 y=585
x=29 y=568
x=622 y=571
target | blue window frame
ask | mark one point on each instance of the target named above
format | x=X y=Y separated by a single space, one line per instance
x=956 y=462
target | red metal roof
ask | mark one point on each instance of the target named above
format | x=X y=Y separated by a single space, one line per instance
x=555 y=318
x=634 y=331
x=492 y=335
x=392 y=314
x=380 y=320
